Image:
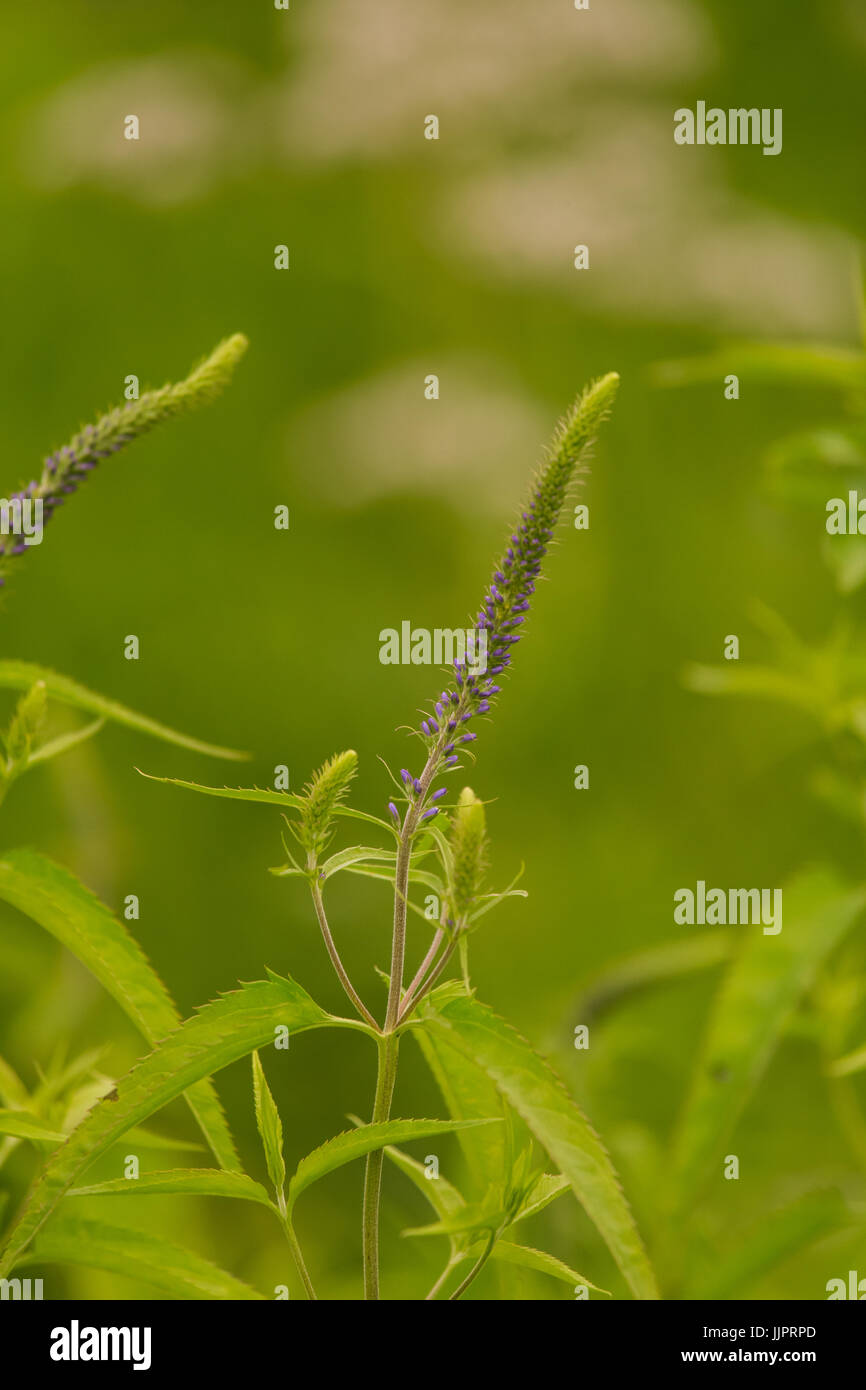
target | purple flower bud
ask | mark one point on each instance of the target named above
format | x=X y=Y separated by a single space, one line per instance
x=437 y=795
x=468 y=738
x=393 y=809
x=428 y=815
x=452 y=761
x=416 y=787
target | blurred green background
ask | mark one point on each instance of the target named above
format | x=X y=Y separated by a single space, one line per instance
x=411 y=257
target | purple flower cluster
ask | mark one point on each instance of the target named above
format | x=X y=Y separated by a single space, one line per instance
x=62 y=474
x=507 y=600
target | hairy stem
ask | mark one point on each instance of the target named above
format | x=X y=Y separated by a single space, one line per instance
x=295 y=1248
x=385 y=1079
x=442 y=1280
x=335 y=958
x=476 y=1268
x=409 y=1003
x=389 y=1043
x=422 y=969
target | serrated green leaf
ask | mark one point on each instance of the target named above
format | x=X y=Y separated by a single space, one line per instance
x=534 y=1091
x=21 y=675
x=53 y=897
x=524 y=1255
x=467 y=1091
x=285 y=800
x=442 y=1195
x=354 y=1143
x=267 y=795
x=192 y=1182
x=23 y=1126
x=756 y=999
x=135 y=1254
x=219 y=1033
x=270 y=1128
x=546 y=1188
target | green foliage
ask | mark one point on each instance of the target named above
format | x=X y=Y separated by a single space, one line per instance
x=503 y=1099
x=356 y=1143
x=763 y=985
x=537 y=1095
x=23 y=675
x=23 y=1126
x=65 y=469
x=130 y=1253
x=185 y=1182
x=52 y=896
x=270 y=1129
x=220 y=1033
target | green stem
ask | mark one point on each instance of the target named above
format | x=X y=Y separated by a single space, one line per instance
x=423 y=967
x=295 y=1248
x=385 y=1079
x=476 y=1268
x=428 y=984
x=442 y=1280
x=337 y=963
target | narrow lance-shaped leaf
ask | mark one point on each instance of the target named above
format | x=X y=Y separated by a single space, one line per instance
x=21 y=675
x=467 y=1091
x=267 y=795
x=270 y=1129
x=178 y=1272
x=285 y=800
x=541 y=1262
x=530 y=1086
x=53 y=897
x=186 y=1182
x=219 y=1033
x=355 y=1143
x=442 y=1195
